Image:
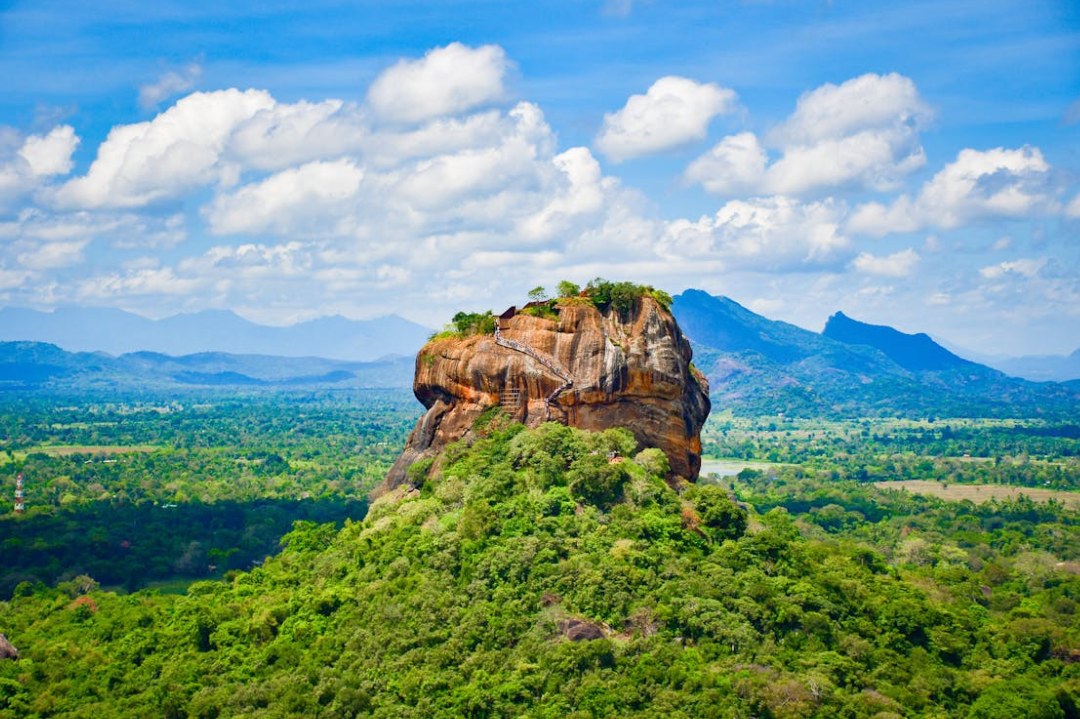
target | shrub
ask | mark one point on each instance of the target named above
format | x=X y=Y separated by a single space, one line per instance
x=474 y=323
x=568 y=289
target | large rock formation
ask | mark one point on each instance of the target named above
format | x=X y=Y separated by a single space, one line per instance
x=589 y=368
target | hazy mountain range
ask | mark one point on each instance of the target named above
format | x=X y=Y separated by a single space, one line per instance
x=118 y=332
x=37 y=365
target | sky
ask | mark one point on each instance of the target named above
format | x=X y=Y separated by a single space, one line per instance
x=915 y=164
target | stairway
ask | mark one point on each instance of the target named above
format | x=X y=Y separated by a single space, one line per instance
x=546 y=360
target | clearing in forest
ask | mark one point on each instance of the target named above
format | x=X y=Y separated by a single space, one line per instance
x=979 y=493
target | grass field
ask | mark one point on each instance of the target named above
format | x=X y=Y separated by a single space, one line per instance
x=979 y=493
x=66 y=450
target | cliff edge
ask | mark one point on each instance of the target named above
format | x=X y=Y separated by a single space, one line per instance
x=588 y=365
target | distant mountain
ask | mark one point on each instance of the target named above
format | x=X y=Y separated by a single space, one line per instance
x=117 y=332
x=1040 y=368
x=917 y=353
x=41 y=366
x=757 y=365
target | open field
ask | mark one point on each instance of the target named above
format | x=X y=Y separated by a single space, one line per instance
x=979 y=493
x=67 y=450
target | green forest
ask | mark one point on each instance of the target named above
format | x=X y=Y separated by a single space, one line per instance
x=136 y=492
x=536 y=573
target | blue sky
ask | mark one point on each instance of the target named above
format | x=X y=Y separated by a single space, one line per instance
x=914 y=164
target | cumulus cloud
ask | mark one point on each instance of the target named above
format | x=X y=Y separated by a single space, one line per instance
x=446 y=81
x=764 y=233
x=862 y=133
x=674 y=111
x=291 y=201
x=27 y=162
x=284 y=134
x=898 y=264
x=175 y=152
x=867 y=101
x=977 y=186
x=50 y=154
x=736 y=164
x=170 y=84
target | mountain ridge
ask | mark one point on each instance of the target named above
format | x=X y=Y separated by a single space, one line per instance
x=118 y=332
x=760 y=366
x=39 y=366
x=915 y=352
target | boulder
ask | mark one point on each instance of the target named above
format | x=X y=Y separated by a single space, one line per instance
x=7 y=650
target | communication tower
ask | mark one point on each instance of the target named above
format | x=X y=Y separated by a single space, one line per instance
x=20 y=507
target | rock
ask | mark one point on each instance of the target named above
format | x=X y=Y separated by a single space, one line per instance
x=614 y=369
x=579 y=630
x=7 y=650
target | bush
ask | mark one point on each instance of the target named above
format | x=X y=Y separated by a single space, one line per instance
x=622 y=296
x=474 y=323
x=568 y=289
x=718 y=514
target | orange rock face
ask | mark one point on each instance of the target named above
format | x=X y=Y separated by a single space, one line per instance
x=589 y=369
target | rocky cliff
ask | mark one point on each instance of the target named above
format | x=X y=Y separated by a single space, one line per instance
x=587 y=367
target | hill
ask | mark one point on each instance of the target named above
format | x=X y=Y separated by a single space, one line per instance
x=118 y=332
x=760 y=366
x=37 y=366
x=530 y=576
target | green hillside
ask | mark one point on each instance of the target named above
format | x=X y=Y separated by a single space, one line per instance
x=531 y=576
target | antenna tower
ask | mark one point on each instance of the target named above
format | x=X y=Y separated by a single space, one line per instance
x=20 y=507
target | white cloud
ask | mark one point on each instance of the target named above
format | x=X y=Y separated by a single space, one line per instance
x=898 y=264
x=446 y=81
x=1028 y=267
x=291 y=201
x=174 y=153
x=12 y=279
x=51 y=255
x=27 y=162
x=735 y=164
x=764 y=233
x=123 y=231
x=173 y=82
x=868 y=101
x=285 y=134
x=253 y=261
x=50 y=154
x=138 y=283
x=862 y=133
x=673 y=112
x=978 y=185
x=581 y=194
